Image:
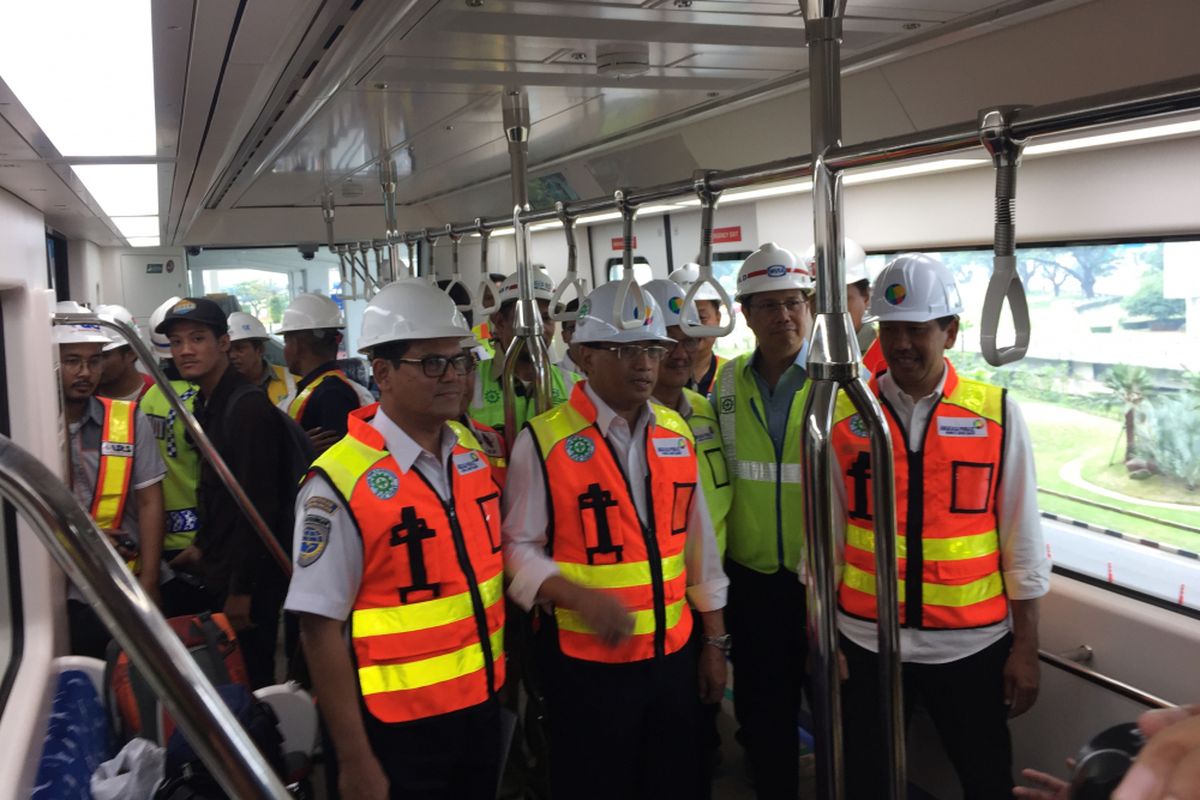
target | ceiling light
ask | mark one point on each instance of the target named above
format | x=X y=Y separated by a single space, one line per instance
x=906 y=170
x=143 y=241
x=1119 y=137
x=137 y=227
x=544 y=226
x=503 y=232
x=592 y=219
x=122 y=190
x=105 y=108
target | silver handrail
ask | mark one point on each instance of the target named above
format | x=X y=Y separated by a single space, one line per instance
x=91 y=563
x=1100 y=679
x=203 y=443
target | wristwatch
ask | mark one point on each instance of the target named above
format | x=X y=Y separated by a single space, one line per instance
x=723 y=642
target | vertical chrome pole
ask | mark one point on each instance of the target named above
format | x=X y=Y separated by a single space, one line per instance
x=833 y=362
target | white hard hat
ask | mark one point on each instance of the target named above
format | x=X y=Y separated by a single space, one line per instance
x=408 y=310
x=543 y=287
x=596 y=321
x=669 y=296
x=311 y=312
x=771 y=268
x=158 y=341
x=856 y=261
x=245 y=326
x=913 y=287
x=688 y=274
x=83 y=333
x=116 y=313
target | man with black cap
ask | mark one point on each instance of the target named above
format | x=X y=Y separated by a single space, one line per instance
x=249 y=435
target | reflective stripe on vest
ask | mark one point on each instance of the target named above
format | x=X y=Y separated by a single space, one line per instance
x=765 y=522
x=296 y=408
x=599 y=541
x=947 y=545
x=181 y=460
x=427 y=626
x=116 y=463
x=714 y=472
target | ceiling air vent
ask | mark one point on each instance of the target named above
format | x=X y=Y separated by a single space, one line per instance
x=622 y=59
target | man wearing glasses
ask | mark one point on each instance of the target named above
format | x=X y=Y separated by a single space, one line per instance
x=759 y=398
x=397 y=547
x=612 y=550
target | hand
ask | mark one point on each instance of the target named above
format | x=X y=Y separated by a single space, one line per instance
x=1169 y=764
x=189 y=557
x=604 y=614
x=1047 y=787
x=1021 y=676
x=237 y=611
x=322 y=439
x=119 y=541
x=712 y=674
x=362 y=778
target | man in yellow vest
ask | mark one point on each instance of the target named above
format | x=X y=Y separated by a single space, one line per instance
x=708 y=308
x=325 y=395
x=615 y=550
x=488 y=404
x=972 y=562
x=114 y=472
x=759 y=398
x=397 y=549
x=247 y=340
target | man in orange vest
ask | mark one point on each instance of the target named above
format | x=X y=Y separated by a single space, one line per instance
x=611 y=550
x=115 y=471
x=972 y=563
x=397 y=548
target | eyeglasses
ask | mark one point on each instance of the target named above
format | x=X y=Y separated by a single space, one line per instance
x=632 y=352
x=436 y=366
x=790 y=306
x=688 y=343
x=76 y=363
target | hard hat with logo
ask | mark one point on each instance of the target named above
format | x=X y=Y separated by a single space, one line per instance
x=688 y=274
x=409 y=310
x=597 y=321
x=669 y=296
x=117 y=313
x=856 y=261
x=771 y=268
x=158 y=341
x=311 y=312
x=245 y=326
x=83 y=333
x=913 y=287
x=543 y=287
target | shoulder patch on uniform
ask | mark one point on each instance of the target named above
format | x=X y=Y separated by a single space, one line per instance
x=579 y=448
x=313 y=539
x=322 y=504
x=383 y=483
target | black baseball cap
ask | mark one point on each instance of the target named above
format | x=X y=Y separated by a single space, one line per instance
x=196 y=309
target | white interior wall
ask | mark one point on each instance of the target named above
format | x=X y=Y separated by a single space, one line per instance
x=84 y=269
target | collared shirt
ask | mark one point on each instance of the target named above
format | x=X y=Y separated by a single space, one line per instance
x=1026 y=569
x=328 y=586
x=526 y=513
x=778 y=401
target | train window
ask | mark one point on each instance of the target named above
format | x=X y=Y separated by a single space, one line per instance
x=1110 y=389
x=642 y=271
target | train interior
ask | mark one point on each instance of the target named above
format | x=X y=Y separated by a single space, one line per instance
x=151 y=148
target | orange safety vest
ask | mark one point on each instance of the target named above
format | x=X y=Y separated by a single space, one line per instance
x=427 y=626
x=116 y=463
x=493 y=447
x=597 y=539
x=296 y=408
x=946 y=539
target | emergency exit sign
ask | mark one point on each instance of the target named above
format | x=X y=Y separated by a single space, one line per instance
x=730 y=234
x=618 y=242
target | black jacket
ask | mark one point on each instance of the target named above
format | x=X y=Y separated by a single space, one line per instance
x=330 y=403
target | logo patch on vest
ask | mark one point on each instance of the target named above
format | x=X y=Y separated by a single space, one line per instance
x=671 y=448
x=727 y=405
x=383 y=483
x=123 y=449
x=491 y=395
x=858 y=426
x=971 y=427
x=705 y=435
x=466 y=463
x=579 y=448
x=314 y=539
x=322 y=504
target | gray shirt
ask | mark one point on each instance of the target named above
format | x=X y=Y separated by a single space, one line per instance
x=778 y=401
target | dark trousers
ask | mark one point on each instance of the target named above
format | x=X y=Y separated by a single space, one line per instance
x=260 y=640
x=765 y=614
x=88 y=635
x=709 y=738
x=965 y=698
x=623 y=731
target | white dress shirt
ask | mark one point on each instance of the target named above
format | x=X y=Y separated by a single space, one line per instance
x=1024 y=564
x=526 y=509
x=328 y=585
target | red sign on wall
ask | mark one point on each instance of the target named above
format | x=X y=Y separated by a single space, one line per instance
x=730 y=234
x=618 y=242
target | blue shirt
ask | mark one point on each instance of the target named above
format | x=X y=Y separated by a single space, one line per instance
x=778 y=401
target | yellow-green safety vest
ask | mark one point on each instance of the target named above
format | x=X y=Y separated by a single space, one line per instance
x=491 y=413
x=182 y=461
x=714 y=474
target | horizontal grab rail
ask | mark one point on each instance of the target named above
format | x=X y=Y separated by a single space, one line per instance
x=1104 y=681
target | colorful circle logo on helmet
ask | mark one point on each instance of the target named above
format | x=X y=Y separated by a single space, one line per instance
x=895 y=294
x=675 y=304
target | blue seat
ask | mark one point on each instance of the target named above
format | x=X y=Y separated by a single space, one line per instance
x=78 y=740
